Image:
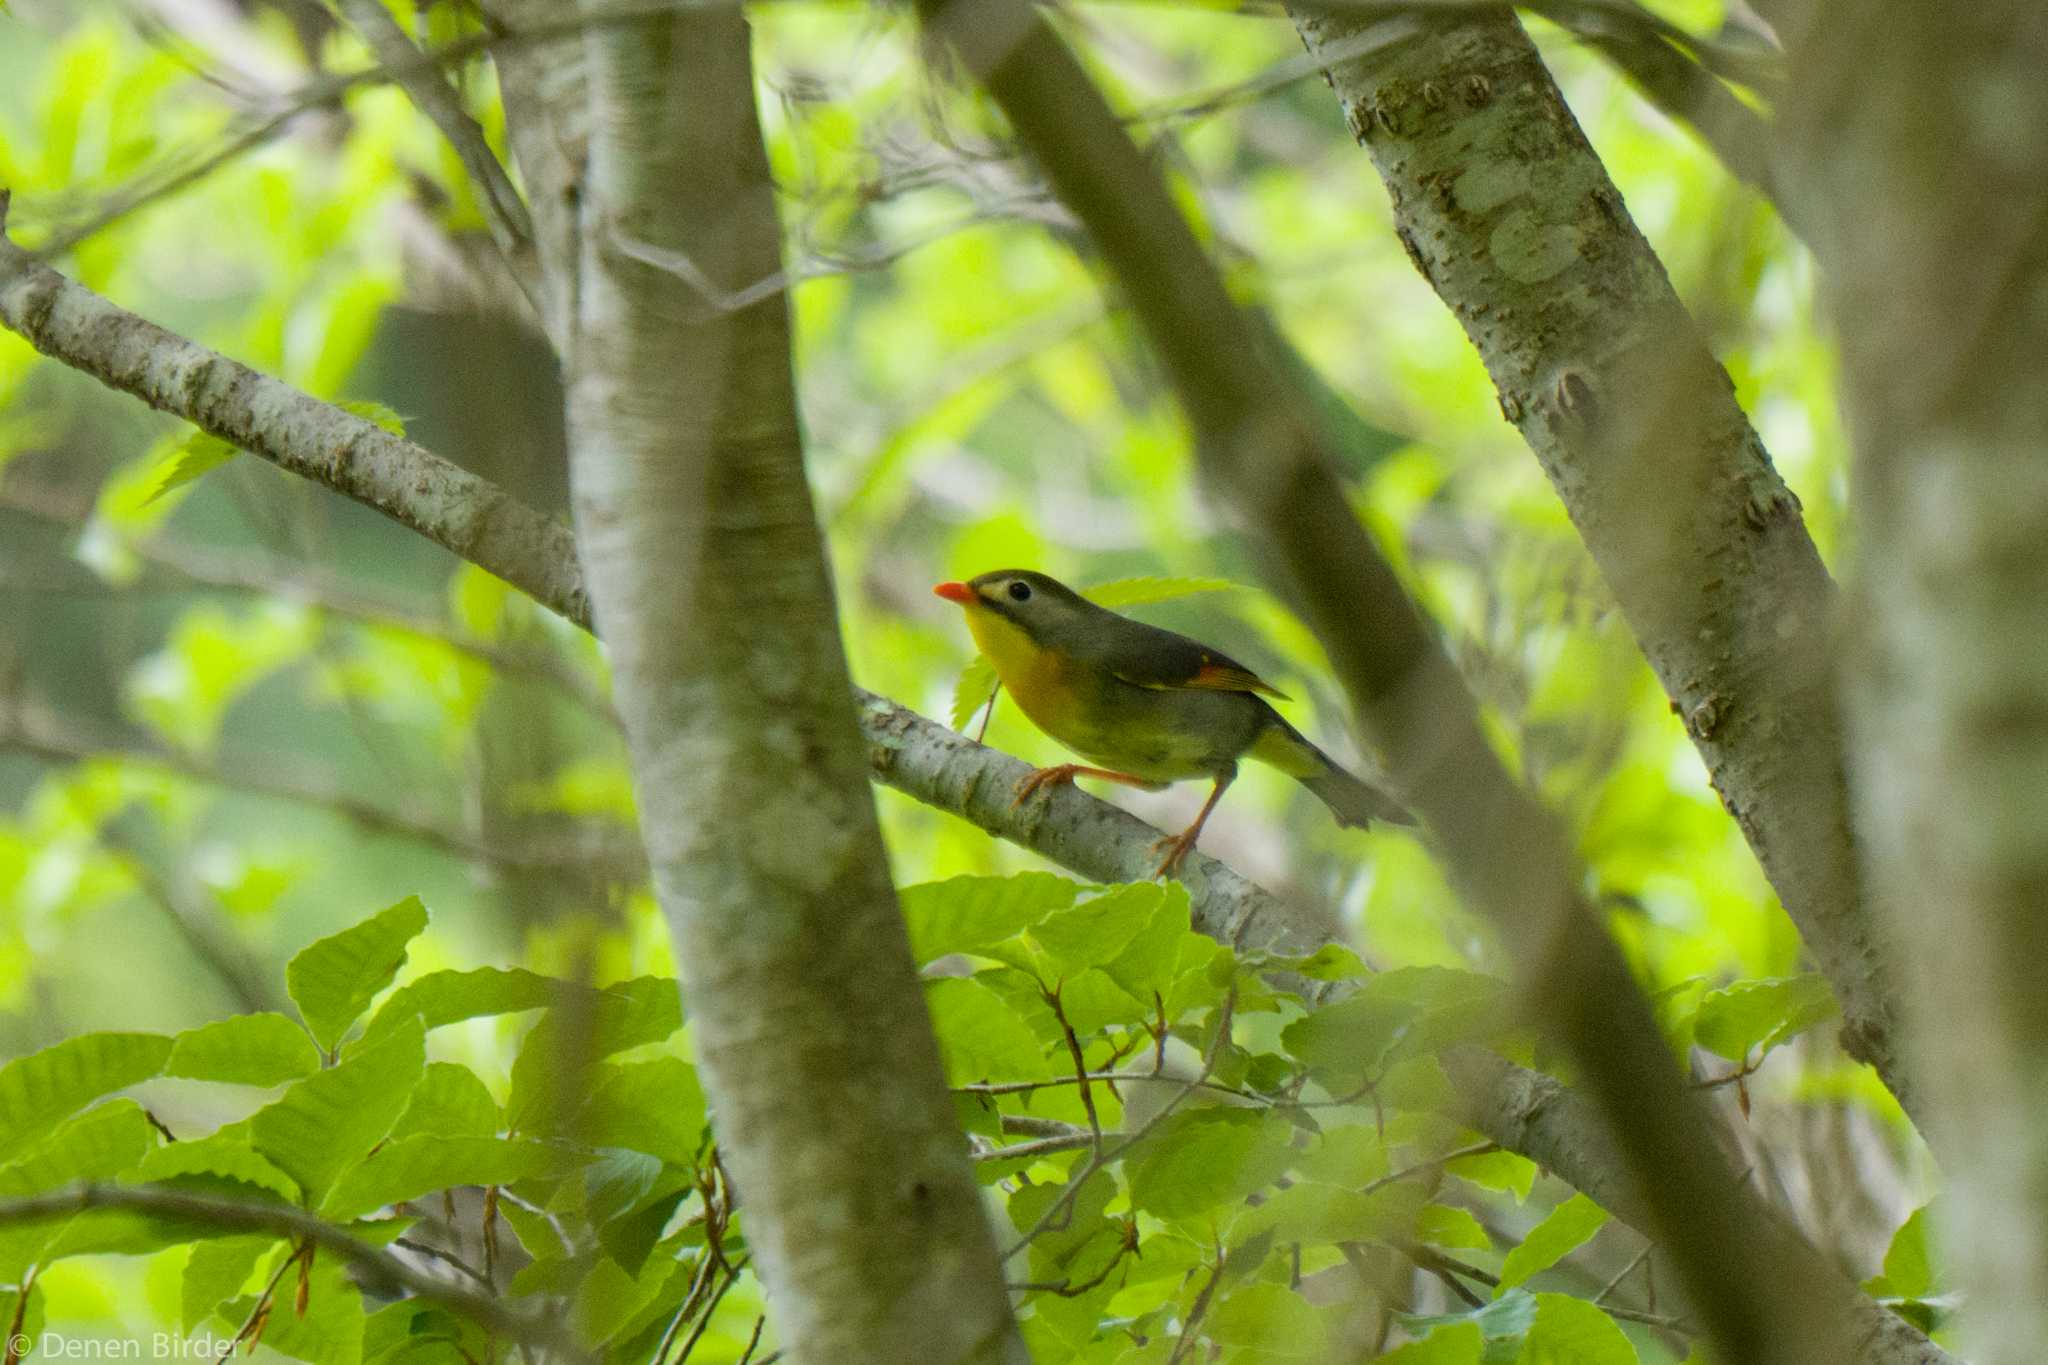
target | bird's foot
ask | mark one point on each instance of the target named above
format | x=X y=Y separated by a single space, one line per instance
x=1058 y=775
x=1177 y=847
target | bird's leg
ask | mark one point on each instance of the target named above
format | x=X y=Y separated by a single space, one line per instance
x=1060 y=774
x=1177 y=845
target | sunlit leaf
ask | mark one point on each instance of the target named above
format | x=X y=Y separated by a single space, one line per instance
x=333 y=981
x=1762 y=1014
x=42 y=1089
x=1568 y=1227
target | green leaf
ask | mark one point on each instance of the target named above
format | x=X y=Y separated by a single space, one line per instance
x=1506 y=1171
x=1570 y=1331
x=198 y=455
x=972 y=692
x=449 y=997
x=327 y=1122
x=1910 y=1268
x=1570 y=1226
x=1446 y=1225
x=1271 y=1318
x=655 y=1106
x=249 y=1049
x=1137 y=592
x=1148 y=963
x=225 y=1156
x=1198 y=1159
x=1393 y=1015
x=1309 y=1212
x=333 y=981
x=215 y=1272
x=1762 y=1014
x=982 y=1038
x=1457 y=1344
x=330 y=1332
x=428 y=1162
x=559 y=1053
x=1097 y=930
x=963 y=914
x=100 y=1143
x=41 y=1090
x=449 y=1100
x=378 y=414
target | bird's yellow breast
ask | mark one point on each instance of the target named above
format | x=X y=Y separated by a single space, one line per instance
x=1040 y=680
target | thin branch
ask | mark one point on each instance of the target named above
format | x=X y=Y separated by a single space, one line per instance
x=511 y=226
x=379 y=1265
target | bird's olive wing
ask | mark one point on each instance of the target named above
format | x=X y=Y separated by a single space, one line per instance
x=1151 y=657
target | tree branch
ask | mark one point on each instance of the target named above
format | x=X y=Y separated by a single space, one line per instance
x=1260 y=444
x=1508 y=213
x=932 y=764
x=431 y=94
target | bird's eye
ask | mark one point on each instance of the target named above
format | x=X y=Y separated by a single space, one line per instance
x=1020 y=591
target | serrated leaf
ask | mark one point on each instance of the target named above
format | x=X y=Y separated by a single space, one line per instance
x=1138 y=591
x=1199 y=1159
x=1446 y=1225
x=98 y=1144
x=249 y=1049
x=1393 y=1015
x=449 y=1100
x=1096 y=931
x=560 y=1052
x=1147 y=965
x=426 y=1163
x=449 y=997
x=963 y=914
x=330 y=1120
x=41 y=1090
x=1505 y=1171
x=977 y=683
x=222 y=1156
x=1762 y=1014
x=333 y=981
x=1272 y=1318
x=1308 y=1212
x=198 y=455
x=654 y=1106
x=980 y=1036
x=1570 y=1331
x=1570 y=1226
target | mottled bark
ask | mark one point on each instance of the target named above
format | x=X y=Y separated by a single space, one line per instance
x=1262 y=449
x=710 y=588
x=1920 y=131
x=1506 y=211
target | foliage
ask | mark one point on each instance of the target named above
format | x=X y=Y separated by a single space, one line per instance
x=270 y=710
x=1212 y=1164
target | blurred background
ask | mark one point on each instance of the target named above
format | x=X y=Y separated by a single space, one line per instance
x=239 y=712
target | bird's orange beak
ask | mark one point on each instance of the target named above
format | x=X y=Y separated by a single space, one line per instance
x=955 y=592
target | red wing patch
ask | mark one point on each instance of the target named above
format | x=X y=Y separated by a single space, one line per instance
x=1230 y=678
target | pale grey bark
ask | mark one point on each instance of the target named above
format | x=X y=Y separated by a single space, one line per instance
x=711 y=593
x=1920 y=132
x=1506 y=210
x=1262 y=448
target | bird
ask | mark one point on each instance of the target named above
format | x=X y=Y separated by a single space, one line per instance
x=1144 y=706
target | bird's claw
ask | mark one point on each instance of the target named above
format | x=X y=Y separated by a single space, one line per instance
x=1177 y=847
x=1058 y=775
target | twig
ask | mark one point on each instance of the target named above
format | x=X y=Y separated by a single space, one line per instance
x=378 y=1264
x=1623 y=1273
x=1052 y=998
